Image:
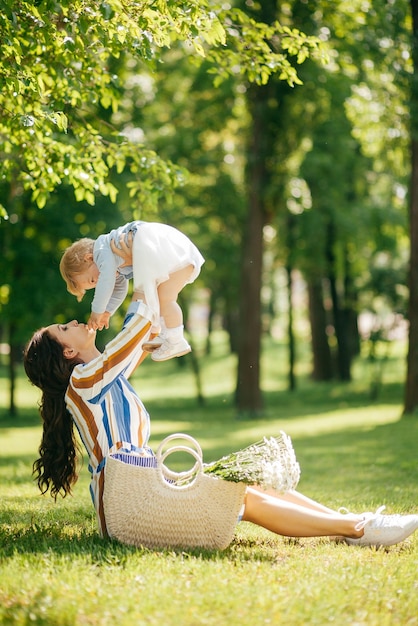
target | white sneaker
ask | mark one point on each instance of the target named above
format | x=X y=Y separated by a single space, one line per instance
x=169 y=350
x=384 y=530
x=153 y=344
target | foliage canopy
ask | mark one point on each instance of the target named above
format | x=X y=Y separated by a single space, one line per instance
x=58 y=64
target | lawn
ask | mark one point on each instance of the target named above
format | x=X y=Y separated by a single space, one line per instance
x=354 y=452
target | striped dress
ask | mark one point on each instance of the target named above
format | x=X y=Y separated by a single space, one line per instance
x=108 y=413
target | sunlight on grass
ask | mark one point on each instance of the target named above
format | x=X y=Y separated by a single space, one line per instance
x=354 y=452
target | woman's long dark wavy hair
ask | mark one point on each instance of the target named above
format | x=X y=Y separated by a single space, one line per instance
x=48 y=369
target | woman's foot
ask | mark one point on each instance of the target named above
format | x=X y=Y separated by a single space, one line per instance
x=384 y=530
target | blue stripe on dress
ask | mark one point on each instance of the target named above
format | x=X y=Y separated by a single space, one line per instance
x=122 y=415
x=124 y=422
x=105 y=422
x=97 y=399
x=135 y=459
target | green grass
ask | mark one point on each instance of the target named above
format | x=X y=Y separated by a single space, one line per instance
x=55 y=570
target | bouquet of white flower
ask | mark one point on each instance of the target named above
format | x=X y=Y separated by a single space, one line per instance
x=270 y=464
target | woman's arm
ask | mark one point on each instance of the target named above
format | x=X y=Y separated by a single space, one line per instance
x=120 y=356
x=123 y=248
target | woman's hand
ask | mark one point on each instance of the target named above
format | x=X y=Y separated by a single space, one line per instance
x=123 y=248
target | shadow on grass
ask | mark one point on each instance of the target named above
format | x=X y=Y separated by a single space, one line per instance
x=373 y=465
x=309 y=399
x=30 y=534
x=25 y=418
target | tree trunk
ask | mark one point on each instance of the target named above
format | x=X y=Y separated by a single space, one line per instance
x=321 y=352
x=211 y=313
x=343 y=354
x=248 y=393
x=231 y=325
x=290 y=331
x=263 y=136
x=350 y=310
x=411 y=387
x=411 y=390
x=12 y=374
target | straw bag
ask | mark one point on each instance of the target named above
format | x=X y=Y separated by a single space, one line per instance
x=156 y=507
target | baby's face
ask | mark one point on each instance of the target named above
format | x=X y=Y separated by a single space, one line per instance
x=88 y=278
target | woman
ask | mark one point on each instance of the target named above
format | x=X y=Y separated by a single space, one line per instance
x=82 y=386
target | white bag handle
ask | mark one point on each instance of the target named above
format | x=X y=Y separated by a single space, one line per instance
x=167 y=475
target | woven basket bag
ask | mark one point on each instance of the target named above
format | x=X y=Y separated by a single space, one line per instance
x=159 y=508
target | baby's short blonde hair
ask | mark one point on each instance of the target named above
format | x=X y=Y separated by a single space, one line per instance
x=74 y=262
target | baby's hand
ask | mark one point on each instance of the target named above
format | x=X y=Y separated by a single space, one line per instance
x=123 y=248
x=98 y=321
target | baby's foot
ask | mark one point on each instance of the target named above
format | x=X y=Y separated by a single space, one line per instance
x=170 y=350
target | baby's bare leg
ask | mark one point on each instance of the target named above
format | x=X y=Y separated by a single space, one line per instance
x=168 y=293
x=138 y=295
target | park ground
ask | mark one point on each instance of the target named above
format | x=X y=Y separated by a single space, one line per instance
x=354 y=452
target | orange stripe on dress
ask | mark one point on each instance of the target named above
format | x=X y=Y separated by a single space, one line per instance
x=140 y=437
x=88 y=418
x=112 y=361
x=100 y=508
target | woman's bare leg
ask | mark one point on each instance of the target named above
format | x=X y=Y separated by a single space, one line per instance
x=291 y=518
x=298 y=498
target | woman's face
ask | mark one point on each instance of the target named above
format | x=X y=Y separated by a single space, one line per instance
x=73 y=335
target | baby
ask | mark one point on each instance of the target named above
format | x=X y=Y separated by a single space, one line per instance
x=164 y=260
